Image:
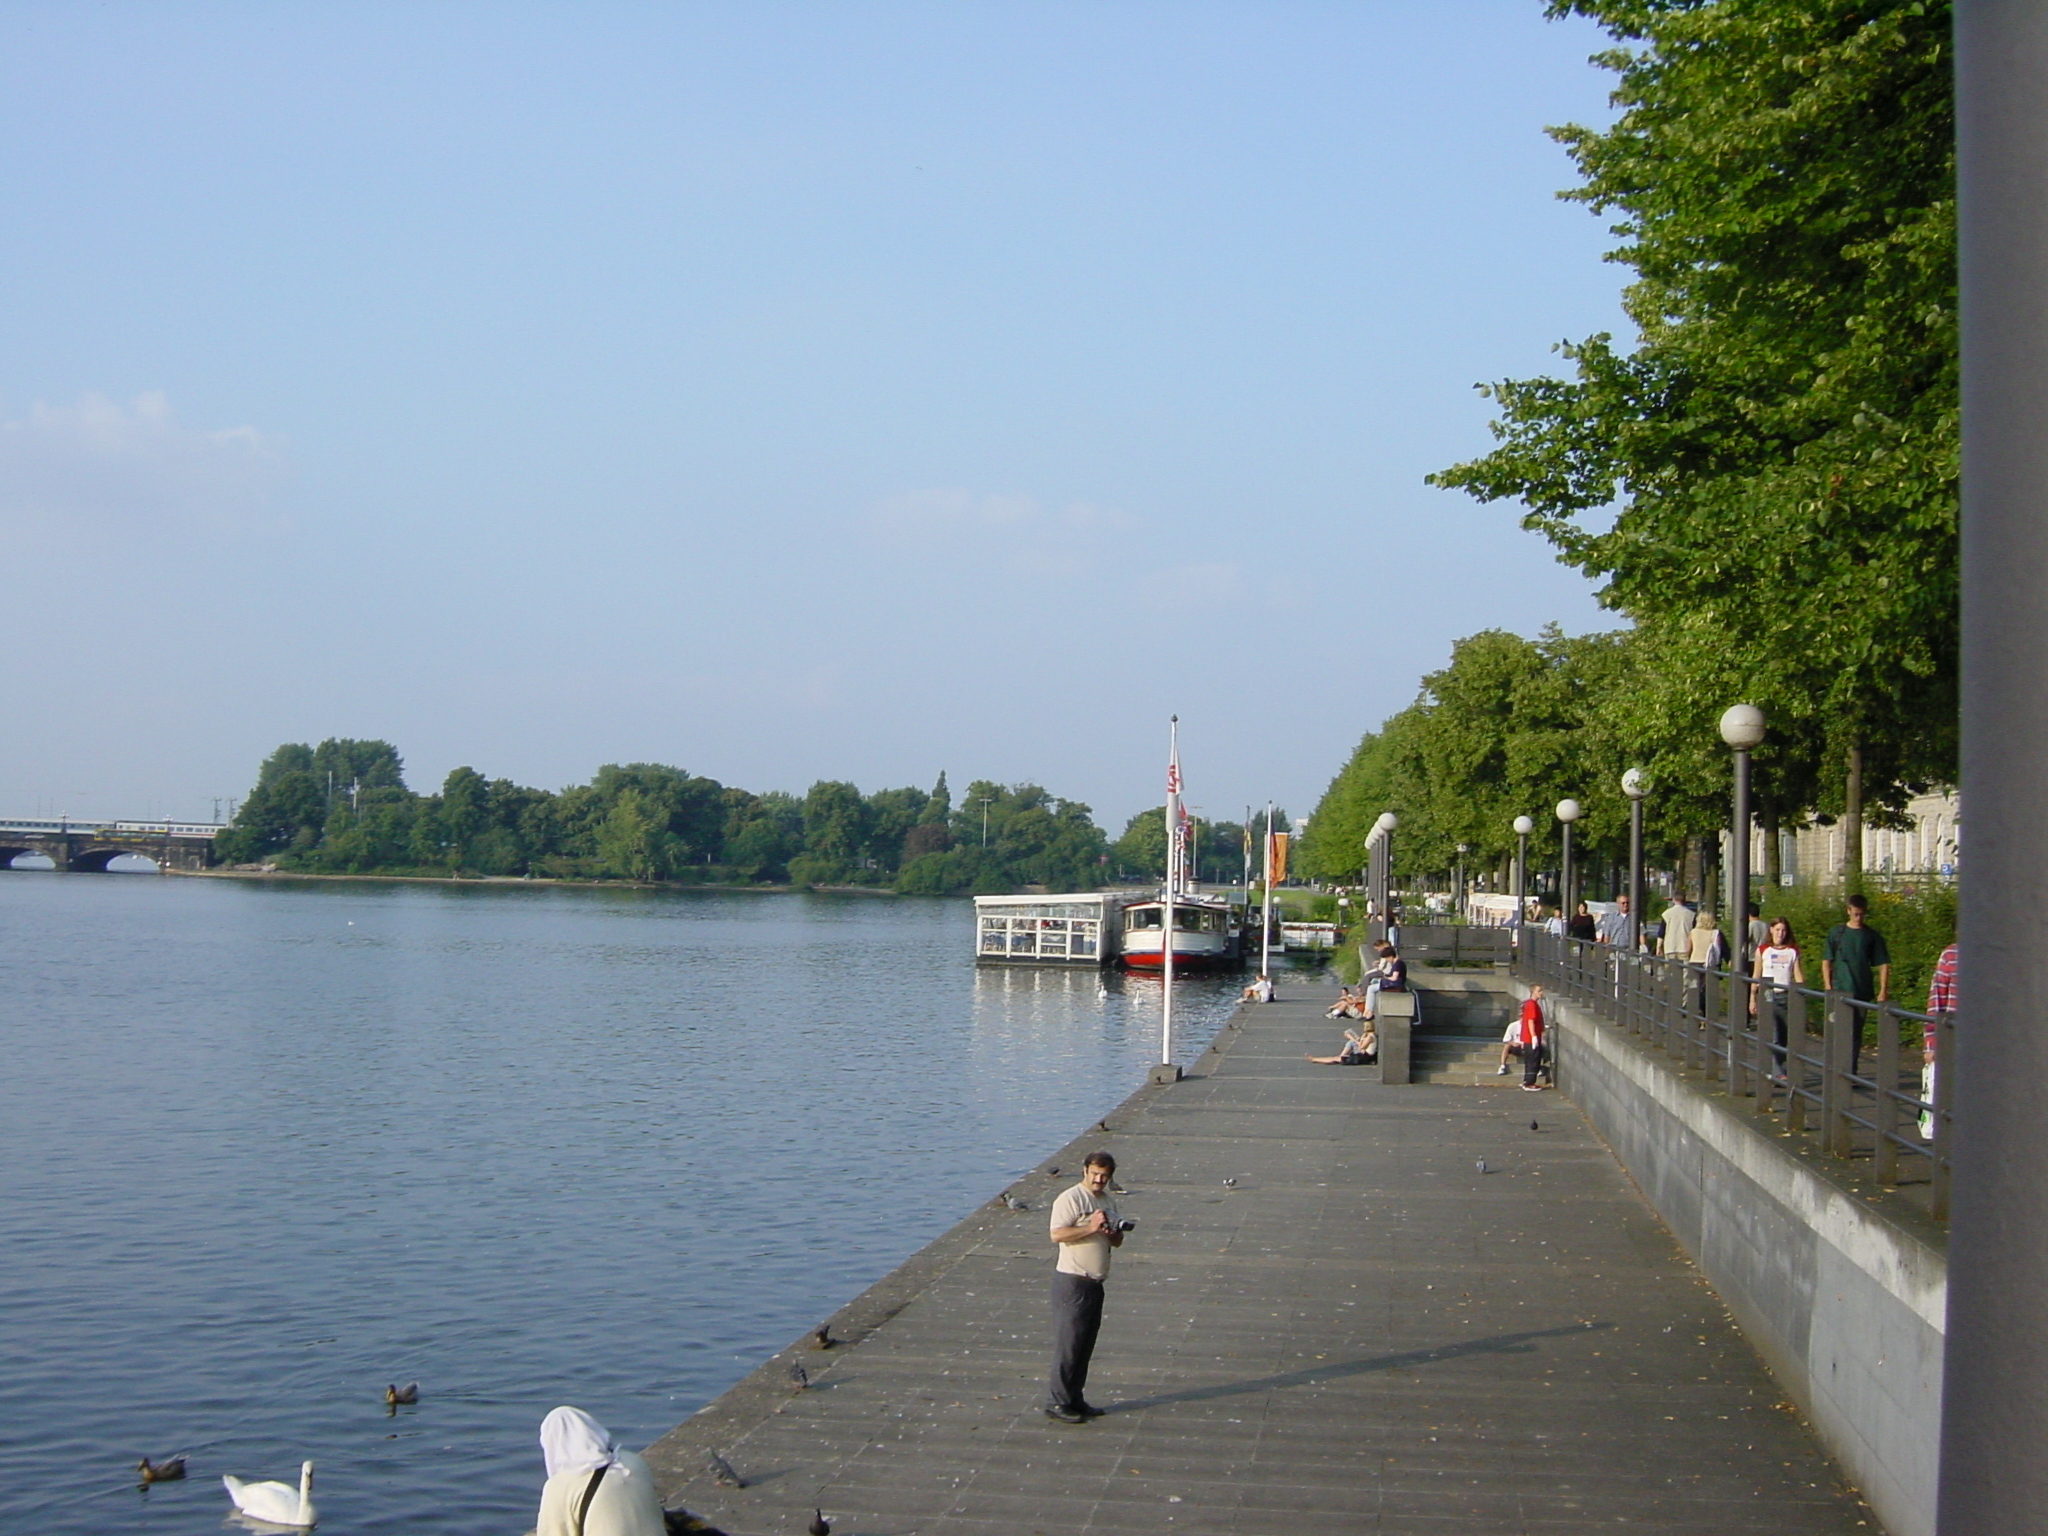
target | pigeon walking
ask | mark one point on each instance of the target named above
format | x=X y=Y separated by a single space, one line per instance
x=722 y=1472
x=1482 y=1165
x=1230 y=1183
x=798 y=1376
x=821 y=1337
x=1014 y=1203
x=819 y=1525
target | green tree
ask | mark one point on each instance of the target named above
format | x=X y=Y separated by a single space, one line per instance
x=465 y=814
x=284 y=812
x=1141 y=849
x=634 y=841
x=891 y=816
x=1783 y=437
x=835 y=832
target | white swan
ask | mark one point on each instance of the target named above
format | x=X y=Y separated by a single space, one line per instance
x=275 y=1503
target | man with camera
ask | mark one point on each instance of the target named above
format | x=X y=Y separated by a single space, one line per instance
x=1086 y=1227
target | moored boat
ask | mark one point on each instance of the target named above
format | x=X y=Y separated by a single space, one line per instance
x=1076 y=929
x=1207 y=934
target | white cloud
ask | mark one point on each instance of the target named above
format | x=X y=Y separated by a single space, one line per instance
x=1016 y=532
x=1192 y=589
x=101 y=468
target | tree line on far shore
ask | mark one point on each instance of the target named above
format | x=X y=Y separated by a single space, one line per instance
x=343 y=808
x=1765 y=477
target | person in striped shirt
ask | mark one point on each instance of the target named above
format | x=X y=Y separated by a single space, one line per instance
x=1941 y=999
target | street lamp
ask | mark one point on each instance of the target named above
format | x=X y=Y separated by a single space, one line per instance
x=1567 y=812
x=1458 y=892
x=1384 y=830
x=1742 y=727
x=983 y=802
x=1523 y=827
x=1635 y=786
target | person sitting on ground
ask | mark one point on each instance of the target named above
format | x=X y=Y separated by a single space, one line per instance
x=1346 y=1006
x=1530 y=1029
x=1359 y=1050
x=593 y=1487
x=1260 y=991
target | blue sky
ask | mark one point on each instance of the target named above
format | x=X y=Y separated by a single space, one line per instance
x=780 y=391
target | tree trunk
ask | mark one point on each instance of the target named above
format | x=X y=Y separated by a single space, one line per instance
x=1852 y=820
x=1774 y=867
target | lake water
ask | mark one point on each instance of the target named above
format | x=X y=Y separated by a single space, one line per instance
x=269 y=1146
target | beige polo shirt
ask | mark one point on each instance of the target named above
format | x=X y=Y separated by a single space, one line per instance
x=1089 y=1256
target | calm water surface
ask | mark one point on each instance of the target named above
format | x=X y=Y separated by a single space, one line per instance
x=267 y=1147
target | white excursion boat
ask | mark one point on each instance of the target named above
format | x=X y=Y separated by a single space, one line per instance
x=1207 y=933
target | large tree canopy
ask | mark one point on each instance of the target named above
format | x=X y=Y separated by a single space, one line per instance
x=1767 y=478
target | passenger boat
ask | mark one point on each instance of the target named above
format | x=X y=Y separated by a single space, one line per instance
x=1208 y=934
x=1078 y=929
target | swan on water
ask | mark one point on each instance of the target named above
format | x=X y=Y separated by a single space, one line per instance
x=275 y=1503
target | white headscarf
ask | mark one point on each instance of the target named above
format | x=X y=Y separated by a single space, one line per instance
x=572 y=1441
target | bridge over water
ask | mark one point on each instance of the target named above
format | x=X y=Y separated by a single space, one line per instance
x=85 y=847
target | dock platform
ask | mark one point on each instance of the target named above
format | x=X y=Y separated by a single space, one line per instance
x=1412 y=1312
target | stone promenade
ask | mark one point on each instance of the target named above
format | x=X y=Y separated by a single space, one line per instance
x=1368 y=1332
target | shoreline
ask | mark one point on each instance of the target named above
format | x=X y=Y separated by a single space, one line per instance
x=679 y=1456
x=527 y=880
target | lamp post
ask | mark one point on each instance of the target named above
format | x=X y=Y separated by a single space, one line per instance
x=1742 y=727
x=983 y=802
x=1458 y=892
x=1567 y=812
x=1523 y=827
x=1384 y=830
x=1635 y=786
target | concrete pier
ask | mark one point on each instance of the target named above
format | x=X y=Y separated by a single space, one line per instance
x=1367 y=1332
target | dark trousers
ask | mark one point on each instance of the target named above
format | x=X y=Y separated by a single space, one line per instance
x=1076 y=1319
x=1774 y=1007
x=1533 y=1057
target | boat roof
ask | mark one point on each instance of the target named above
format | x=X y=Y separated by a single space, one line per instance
x=1039 y=901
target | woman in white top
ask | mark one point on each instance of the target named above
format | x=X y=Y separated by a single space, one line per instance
x=593 y=1487
x=1777 y=963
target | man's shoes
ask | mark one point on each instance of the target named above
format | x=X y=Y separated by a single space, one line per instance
x=1089 y=1410
x=1064 y=1415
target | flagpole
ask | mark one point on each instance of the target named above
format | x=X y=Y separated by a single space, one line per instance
x=1172 y=889
x=1266 y=907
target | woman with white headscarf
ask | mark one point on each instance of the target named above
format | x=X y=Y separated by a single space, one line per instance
x=593 y=1487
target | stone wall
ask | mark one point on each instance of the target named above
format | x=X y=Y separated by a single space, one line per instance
x=1846 y=1303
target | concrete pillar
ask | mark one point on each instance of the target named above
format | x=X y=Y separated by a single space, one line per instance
x=1994 y=1477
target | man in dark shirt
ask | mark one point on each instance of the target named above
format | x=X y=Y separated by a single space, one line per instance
x=1856 y=961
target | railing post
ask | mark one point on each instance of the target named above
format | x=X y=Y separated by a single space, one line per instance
x=1943 y=1096
x=1731 y=1011
x=1885 y=1109
x=1838 y=1060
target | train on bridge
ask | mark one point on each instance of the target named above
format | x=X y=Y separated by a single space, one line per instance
x=62 y=826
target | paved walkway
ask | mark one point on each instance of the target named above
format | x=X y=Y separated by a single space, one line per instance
x=1366 y=1334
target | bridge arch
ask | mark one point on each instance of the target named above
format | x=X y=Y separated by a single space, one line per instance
x=94 y=860
x=10 y=851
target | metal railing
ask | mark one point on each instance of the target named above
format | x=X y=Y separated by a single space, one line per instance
x=1826 y=1087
